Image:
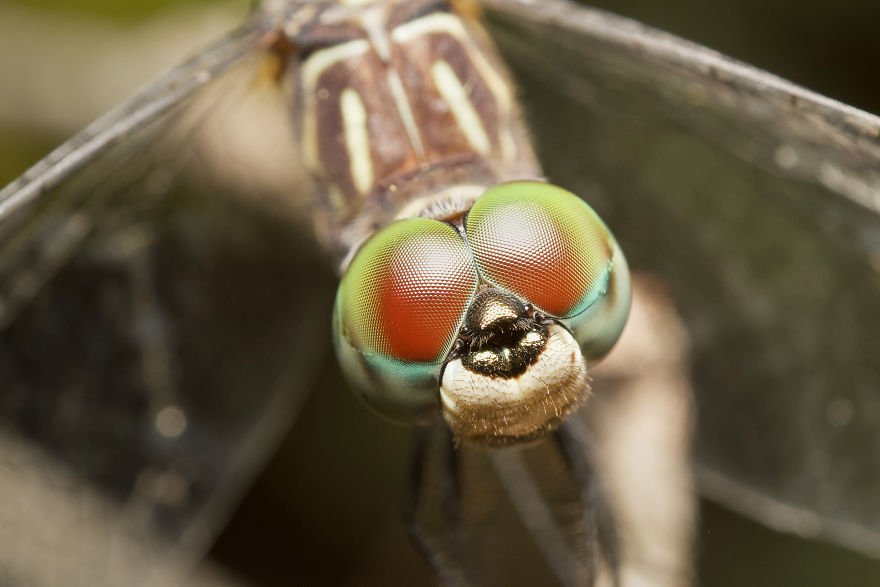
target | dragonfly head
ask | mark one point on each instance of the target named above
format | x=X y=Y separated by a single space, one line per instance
x=491 y=319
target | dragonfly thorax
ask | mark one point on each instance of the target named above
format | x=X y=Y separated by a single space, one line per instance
x=396 y=100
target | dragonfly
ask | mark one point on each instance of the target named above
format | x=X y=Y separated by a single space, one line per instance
x=625 y=114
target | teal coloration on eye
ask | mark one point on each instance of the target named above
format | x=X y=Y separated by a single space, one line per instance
x=398 y=311
x=599 y=326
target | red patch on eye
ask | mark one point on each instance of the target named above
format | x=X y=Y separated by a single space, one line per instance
x=421 y=297
x=537 y=265
x=553 y=258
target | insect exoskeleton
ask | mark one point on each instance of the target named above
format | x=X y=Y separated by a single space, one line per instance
x=493 y=317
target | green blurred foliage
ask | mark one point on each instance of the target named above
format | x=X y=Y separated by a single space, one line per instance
x=121 y=12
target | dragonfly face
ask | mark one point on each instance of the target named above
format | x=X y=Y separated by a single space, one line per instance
x=422 y=289
x=483 y=299
x=166 y=315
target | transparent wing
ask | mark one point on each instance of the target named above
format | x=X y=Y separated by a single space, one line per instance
x=156 y=335
x=38 y=193
x=756 y=202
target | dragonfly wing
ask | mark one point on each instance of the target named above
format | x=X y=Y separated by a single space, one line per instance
x=151 y=102
x=157 y=336
x=37 y=200
x=756 y=202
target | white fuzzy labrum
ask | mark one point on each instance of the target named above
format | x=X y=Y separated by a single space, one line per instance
x=548 y=390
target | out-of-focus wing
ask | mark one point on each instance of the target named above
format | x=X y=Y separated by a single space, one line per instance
x=160 y=324
x=757 y=203
x=153 y=101
x=27 y=201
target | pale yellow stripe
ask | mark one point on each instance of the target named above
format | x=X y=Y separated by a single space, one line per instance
x=401 y=101
x=312 y=70
x=452 y=25
x=455 y=94
x=357 y=139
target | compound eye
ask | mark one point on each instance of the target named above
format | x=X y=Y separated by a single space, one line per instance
x=543 y=244
x=405 y=293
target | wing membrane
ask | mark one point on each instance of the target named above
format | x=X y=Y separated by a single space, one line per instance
x=36 y=205
x=151 y=102
x=157 y=338
x=756 y=202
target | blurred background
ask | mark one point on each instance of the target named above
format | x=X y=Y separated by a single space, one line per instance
x=62 y=64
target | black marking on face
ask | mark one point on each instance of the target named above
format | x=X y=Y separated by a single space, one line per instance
x=499 y=337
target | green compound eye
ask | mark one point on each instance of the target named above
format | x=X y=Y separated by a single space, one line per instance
x=398 y=311
x=545 y=245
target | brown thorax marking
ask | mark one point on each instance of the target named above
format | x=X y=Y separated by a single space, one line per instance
x=396 y=100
